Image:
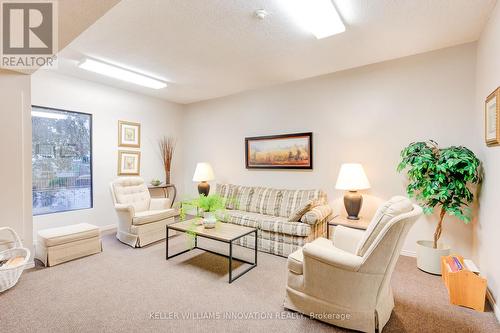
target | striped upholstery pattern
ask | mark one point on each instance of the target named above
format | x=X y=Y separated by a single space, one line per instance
x=280 y=244
x=229 y=193
x=316 y=214
x=269 y=210
x=266 y=201
x=294 y=199
x=243 y=198
x=267 y=223
x=299 y=212
x=243 y=218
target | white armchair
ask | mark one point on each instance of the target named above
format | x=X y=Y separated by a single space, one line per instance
x=141 y=219
x=347 y=282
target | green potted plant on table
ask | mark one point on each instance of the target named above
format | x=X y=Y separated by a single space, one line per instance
x=439 y=178
x=210 y=207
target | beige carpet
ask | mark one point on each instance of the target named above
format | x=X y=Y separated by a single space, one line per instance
x=121 y=289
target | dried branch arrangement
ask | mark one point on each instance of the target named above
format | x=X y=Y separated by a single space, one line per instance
x=167 y=148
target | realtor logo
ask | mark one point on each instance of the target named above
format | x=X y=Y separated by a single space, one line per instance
x=29 y=34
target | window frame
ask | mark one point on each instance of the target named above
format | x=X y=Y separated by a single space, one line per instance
x=91 y=129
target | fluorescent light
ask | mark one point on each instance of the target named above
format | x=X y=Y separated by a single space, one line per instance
x=316 y=16
x=121 y=74
x=49 y=115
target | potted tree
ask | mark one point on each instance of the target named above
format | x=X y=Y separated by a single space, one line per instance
x=439 y=179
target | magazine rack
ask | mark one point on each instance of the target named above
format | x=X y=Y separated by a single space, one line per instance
x=464 y=287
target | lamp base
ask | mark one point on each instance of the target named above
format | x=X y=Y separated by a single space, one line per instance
x=353 y=202
x=204 y=188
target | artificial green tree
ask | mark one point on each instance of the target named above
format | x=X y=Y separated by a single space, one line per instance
x=441 y=178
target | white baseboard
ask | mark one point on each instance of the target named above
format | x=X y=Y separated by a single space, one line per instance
x=108 y=227
x=407 y=253
x=494 y=305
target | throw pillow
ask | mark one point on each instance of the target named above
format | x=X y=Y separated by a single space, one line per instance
x=297 y=214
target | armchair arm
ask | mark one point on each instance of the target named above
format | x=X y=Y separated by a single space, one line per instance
x=317 y=214
x=332 y=256
x=347 y=239
x=122 y=208
x=125 y=214
x=159 y=203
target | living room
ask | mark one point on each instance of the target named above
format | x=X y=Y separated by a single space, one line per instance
x=222 y=83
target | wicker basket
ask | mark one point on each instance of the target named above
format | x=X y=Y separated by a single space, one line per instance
x=10 y=275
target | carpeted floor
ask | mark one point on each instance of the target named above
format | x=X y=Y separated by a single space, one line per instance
x=136 y=290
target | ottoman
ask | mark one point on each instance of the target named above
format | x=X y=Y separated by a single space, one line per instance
x=57 y=245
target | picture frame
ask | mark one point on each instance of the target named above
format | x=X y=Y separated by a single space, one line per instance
x=492 y=118
x=129 y=163
x=129 y=134
x=284 y=151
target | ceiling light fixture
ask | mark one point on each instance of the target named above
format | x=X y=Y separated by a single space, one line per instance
x=121 y=74
x=316 y=16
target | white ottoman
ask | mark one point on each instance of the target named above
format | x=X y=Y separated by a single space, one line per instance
x=57 y=245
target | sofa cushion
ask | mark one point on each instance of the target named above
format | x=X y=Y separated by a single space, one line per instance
x=267 y=222
x=294 y=199
x=243 y=218
x=67 y=234
x=397 y=205
x=132 y=191
x=283 y=226
x=294 y=262
x=266 y=201
x=229 y=193
x=244 y=198
x=150 y=216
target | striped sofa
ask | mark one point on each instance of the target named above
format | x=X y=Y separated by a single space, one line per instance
x=285 y=219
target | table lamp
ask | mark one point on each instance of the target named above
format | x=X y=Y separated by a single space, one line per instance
x=352 y=178
x=203 y=174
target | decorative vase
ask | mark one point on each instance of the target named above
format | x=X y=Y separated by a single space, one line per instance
x=167 y=177
x=209 y=220
x=429 y=258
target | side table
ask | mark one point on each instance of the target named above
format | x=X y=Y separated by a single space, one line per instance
x=361 y=224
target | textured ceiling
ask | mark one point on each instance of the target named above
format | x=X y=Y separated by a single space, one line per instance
x=212 y=48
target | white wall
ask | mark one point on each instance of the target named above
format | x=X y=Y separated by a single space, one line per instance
x=364 y=115
x=488 y=227
x=108 y=105
x=15 y=144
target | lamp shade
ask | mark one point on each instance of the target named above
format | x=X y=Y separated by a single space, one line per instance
x=203 y=172
x=352 y=177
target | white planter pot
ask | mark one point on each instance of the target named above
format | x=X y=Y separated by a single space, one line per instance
x=429 y=258
x=209 y=220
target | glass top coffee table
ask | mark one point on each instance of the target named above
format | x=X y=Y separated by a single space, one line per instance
x=223 y=232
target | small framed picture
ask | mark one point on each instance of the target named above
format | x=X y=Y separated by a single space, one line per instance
x=492 y=118
x=129 y=134
x=129 y=163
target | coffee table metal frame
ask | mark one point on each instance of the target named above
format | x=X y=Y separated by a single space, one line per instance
x=230 y=256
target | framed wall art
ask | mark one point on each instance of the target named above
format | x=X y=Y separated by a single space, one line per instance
x=286 y=151
x=129 y=163
x=492 y=118
x=129 y=134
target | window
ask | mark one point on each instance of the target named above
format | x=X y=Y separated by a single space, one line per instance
x=62 y=160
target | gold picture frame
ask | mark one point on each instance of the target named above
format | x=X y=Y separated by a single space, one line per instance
x=492 y=119
x=129 y=134
x=129 y=163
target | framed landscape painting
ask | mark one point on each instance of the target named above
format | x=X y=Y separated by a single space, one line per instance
x=129 y=163
x=129 y=134
x=492 y=118
x=287 y=151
